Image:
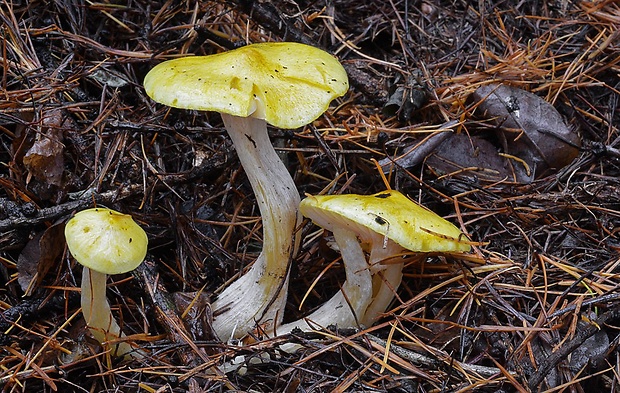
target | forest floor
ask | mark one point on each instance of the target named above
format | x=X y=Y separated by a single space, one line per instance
x=500 y=116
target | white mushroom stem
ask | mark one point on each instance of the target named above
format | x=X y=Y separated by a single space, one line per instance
x=347 y=307
x=97 y=313
x=259 y=296
x=387 y=278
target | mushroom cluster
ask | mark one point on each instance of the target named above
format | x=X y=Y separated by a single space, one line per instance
x=287 y=85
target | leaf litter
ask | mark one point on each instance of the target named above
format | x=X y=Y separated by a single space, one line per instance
x=538 y=193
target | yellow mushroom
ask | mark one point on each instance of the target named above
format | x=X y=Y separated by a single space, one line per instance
x=384 y=225
x=104 y=242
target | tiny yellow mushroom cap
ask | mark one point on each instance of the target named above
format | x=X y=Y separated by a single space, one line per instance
x=390 y=214
x=106 y=241
x=287 y=84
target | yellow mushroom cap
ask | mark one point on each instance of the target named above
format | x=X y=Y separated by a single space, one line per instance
x=106 y=241
x=389 y=214
x=286 y=84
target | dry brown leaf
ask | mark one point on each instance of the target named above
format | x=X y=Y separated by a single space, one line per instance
x=195 y=308
x=477 y=158
x=406 y=97
x=592 y=351
x=39 y=255
x=531 y=129
x=44 y=160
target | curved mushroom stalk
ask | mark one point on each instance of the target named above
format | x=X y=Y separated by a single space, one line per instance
x=97 y=313
x=386 y=223
x=386 y=280
x=287 y=85
x=347 y=307
x=259 y=296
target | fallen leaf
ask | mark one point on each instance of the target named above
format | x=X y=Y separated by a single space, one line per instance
x=39 y=255
x=530 y=128
x=591 y=352
x=44 y=160
x=406 y=97
x=476 y=158
x=195 y=308
x=416 y=152
x=109 y=77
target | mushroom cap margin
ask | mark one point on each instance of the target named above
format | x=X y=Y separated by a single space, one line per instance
x=390 y=214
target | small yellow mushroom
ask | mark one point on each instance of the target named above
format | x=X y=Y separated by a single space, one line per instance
x=104 y=242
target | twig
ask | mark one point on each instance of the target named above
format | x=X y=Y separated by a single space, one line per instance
x=166 y=314
x=423 y=360
x=86 y=198
x=54 y=212
x=418 y=153
x=562 y=353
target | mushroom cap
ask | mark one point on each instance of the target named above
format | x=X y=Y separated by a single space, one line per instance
x=287 y=84
x=106 y=241
x=389 y=214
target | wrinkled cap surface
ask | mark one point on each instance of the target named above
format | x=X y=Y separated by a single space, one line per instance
x=106 y=241
x=388 y=213
x=287 y=84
